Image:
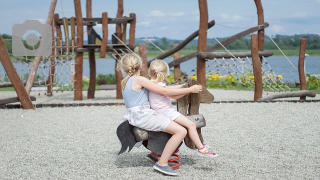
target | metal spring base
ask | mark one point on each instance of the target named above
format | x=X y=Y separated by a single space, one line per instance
x=174 y=160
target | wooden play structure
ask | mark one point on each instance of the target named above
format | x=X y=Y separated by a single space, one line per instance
x=72 y=42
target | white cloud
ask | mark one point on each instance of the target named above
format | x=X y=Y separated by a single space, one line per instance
x=163 y=28
x=277 y=29
x=229 y=17
x=177 y=14
x=146 y=24
x=301 y=14
x=156 y=13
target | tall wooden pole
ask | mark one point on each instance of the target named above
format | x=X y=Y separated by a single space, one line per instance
x=302 y=76
x=92 y=60
x=79 y=56
x=118 y=73
x=37 y=59
x=52 y=64
x=256 y=63
x=177 y=72
x=132 y=30
x=14 y=77
x=202 y=41
x=260 y=21
x=144 y=56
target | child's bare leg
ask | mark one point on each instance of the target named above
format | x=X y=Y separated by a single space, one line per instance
x=178 y=133
x=193 y=134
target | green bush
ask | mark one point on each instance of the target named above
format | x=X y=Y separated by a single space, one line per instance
x=106 y=79
x=313 y=81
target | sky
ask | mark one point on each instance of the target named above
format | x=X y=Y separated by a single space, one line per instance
x=177 y=19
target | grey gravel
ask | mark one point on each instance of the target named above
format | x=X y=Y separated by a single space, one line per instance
x=254 y=141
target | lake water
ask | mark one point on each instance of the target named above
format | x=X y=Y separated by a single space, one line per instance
x=280 y=65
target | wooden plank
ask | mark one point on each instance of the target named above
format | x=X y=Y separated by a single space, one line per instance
x=212 y=55
x=119 y=35
x=79 y=55
x=143 y=55
x=256 y=63
x=36 y=61
x=96 y=48
x=132 y=30
x=177 y=72
x=302 y=76
x=218 y=46
x=14 y=77
x=104 y=44
x=124 y=33
x=13 y=100
x=181 y=44
x=202 y=41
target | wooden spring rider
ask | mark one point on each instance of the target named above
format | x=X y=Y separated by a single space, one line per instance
x=188 y=105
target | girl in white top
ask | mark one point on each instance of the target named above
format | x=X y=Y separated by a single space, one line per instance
x=139 y=113
x=158 y=70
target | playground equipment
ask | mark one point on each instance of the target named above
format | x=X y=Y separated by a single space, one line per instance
x=72 y=47
x=188 y=106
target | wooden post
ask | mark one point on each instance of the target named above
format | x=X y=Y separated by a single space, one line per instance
x=202 y=41
x=143 y=55
x=302 y=76
x=14 y=77
x=52 y=64
x=104 y=43
x=66 y=34
x=36 y=61
x=92 y=60
x=59 y=33
x=118 y=73
x=256 y=63
x=132 y=31
x=73 y=32
x=177 y=72
x=79 y=56
x=124 y=33
x=119 y=14
x=260 y=21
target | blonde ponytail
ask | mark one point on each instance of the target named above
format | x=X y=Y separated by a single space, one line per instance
x=129 y=64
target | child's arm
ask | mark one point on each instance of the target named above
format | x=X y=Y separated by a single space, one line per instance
x=176 y=96
x=146 y=83
x=175 y=86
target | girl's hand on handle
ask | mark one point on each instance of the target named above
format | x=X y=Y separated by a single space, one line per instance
x=196 y=88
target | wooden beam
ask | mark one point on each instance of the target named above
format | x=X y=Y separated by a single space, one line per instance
x=202 y=41
x=132 y=30
x=177 y=72
x=302 y=76
x=260 y=21
x=52 y=65
x=218 y=46
x=59 y=32
x=256 y=63
x=104 y=43
x=119 y=35
x=92 y=60
x=212 y=55
x=36 y=61
x=13 y=100
x=288 y=94
x=79 y=55
x=93 y=21
x=144 y=57
x=14 y=77
x=182 y=44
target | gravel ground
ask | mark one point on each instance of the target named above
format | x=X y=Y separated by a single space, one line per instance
x=254 y=141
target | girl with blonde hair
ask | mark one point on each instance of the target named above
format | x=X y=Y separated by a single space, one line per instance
x=158 y=70
x=135 y=94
